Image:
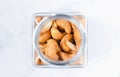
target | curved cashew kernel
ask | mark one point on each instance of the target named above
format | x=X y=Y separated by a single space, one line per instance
x=70 y=45
x=46 y=27
x=63 y=45
x=42 y=47
x=52 y=49
x=54 y=24
x=54 y=43
x=77 y=36
x=56 y=34
x=44 y=37
x=64 y=24
x=38 y=61
x=65 y=56
x=38 y=19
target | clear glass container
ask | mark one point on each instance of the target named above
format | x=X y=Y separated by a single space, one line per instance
x=79 y=60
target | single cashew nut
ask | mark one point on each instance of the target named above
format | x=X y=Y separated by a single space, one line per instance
x=54 y=24
x=77 y=36
x=65 y=56
x=38 y=19
x=71 y=45
x=42 y=47
x=64 y=24
x=52 y=49
x=63 y=45
x=56 y=34
x=46 y=27
x=44 y=37
x=38 y=61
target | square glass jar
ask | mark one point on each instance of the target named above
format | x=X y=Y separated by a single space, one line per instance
x=81 y=61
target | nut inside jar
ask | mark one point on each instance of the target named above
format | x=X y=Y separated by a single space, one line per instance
x=59 y=40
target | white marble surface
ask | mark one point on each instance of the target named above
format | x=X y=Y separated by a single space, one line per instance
x=103 y=37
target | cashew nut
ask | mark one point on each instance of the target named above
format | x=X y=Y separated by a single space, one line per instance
x=37 y=59
x=77 y=36
x=71 y=45
x=64 y=24
x=38 y=19
x=65 y=56
x=54 y=24
x=44 y=37
x=63 y=45
x=52 y=49
x=46 y=27
x=56 y=34
x=42 y=47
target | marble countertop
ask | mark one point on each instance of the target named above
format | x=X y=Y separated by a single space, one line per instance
x=16 y=37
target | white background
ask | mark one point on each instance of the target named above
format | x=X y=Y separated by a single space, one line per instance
x=103 y=37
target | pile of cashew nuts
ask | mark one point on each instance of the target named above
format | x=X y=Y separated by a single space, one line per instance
x=59 y=40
